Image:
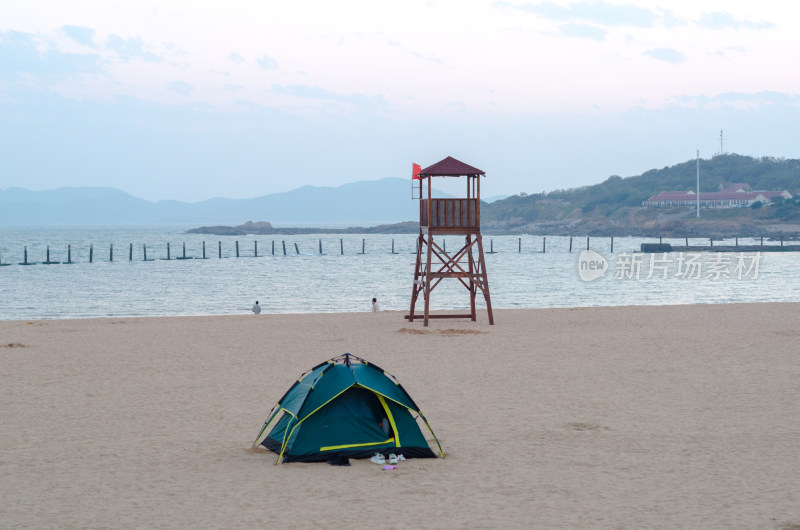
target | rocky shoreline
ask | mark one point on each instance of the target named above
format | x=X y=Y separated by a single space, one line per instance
x=675 y=228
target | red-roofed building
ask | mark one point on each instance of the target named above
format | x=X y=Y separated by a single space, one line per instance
x=733 y=196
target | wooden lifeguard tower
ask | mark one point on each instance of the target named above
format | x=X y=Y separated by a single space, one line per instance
x=449 y=217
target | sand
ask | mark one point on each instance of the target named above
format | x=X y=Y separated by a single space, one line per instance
x=627 y=417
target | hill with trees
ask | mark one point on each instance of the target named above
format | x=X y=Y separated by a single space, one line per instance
x=614 y=207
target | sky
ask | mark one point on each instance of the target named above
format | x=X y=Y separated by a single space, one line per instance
x=191 y=100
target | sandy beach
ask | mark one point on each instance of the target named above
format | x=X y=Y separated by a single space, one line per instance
x=619 y=417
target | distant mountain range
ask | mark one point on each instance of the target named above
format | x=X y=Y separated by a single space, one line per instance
x=613 y=207
x=364 y=203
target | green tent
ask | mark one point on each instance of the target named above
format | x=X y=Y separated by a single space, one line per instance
x=345 y=407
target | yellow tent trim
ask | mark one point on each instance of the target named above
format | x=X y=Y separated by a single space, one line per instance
x=391 y=420
x=335 y=447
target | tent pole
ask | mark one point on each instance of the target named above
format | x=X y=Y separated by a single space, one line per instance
x=272 y=415
x=441 y=452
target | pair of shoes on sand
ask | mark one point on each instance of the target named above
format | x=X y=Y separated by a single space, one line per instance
x=380 y=459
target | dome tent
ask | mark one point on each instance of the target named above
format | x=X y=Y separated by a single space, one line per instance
x=345 y=407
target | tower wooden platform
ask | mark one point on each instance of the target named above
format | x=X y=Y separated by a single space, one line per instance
x=449 y=217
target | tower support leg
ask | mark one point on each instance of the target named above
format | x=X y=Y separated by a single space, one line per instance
x=415 y=288
x=427 y=291
x=473 y=288
x=485 y=280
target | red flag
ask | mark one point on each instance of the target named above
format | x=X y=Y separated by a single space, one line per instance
x=415 y=169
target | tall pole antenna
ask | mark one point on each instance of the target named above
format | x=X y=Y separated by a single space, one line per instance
x=698 y=183
x=721 y=150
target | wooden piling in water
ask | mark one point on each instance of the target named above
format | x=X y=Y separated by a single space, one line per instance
x=612 y=244
x=284 y=247
x=341 y=246
x=320 y=247
x=91 y=253
x=204 y=250
x=519 y=245
x=544 y=241
x=183 y=255
x=587 y=242
x=237 y=249
x=296 y=250
x=168 y=256
x=711 y=241
x=219 y=249
x=111 y=252
x=273 y=247
x=393 y=252
x=130 y=253
x=762 y=241
x=491 y=246
x=49 y=262
x=144 y=252
x=686 y=241
x=363 y=246
x=255 y=248
x=69 y=253
x=737 y=241
x=570 y=244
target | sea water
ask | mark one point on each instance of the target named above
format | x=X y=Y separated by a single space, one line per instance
x=343 y=279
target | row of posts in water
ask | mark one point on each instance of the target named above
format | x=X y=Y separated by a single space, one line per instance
x=183 y=256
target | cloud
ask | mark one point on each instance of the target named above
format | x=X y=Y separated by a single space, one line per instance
x=666 y=54
x=600 y=13
x=235 y=58
x=720 y=20
x=319 y=93
x=132 y=48
x=428 y=58
x=741 y=101
x=19 y=54
x=80 y=34
x=181 y=87
x=585 y=31
x=267 y=63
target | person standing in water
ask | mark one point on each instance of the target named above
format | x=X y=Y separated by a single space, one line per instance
x=375 y=306
x=256 y=308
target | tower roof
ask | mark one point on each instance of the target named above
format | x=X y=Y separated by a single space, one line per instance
x=450 y=167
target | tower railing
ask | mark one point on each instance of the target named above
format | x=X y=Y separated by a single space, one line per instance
x=450 y=215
